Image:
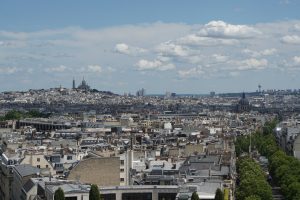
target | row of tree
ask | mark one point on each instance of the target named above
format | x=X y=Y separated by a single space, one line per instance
x=284 y=169
x=262 y=141
x=252 y=181
x=17 y=115
x=93 y=195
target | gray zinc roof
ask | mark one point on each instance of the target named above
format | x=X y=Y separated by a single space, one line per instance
x=26 y=170
x=28 y=185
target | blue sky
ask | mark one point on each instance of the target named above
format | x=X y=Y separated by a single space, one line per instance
x=176 y=46
x=34 y=15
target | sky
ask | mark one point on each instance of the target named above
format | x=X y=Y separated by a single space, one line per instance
x=187 y=47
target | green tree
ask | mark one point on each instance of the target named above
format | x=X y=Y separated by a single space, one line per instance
x=219 y=194
x=253 y=197
x=17 y=115
x=252 y=180
x=293 y=191
x=94 y=193
x=284 y=169
x=59 y=194
x=13 y=114
x=195 y=196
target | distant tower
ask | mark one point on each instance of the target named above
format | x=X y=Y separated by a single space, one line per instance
x=83 y=82
x=259 y=88
x=74 y=83
x=243 y=95
x=141 y=92
x=243 y=104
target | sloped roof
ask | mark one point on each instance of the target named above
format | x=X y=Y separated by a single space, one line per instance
x=28 y=185
x=26 y=170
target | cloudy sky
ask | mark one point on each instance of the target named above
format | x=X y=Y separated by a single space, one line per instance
x=178 y=46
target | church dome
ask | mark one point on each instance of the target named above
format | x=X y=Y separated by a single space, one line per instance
x=243 y=104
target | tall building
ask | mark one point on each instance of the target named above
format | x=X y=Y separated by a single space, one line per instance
x=74 y=87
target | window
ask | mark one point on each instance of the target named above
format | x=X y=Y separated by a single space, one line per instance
x=137 y=196
x=108 y=196
x=38 y=166
x=122 y=162
x=47 y=166
x=70 y=198
x=122 y=179
x=69 y=157
x=122 y=170
x=38 y=159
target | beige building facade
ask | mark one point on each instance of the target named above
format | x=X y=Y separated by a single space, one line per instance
x=100 y=171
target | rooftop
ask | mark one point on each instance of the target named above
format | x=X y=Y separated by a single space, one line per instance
x=26 y=170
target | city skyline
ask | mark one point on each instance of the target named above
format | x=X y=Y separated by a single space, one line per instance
x=194 y=47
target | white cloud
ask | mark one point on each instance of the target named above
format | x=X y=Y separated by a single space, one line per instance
x=268 y=52
x=219 y=47
x=94 y=69
x=195 y=59
x=206 y=60
x=145 y=34
x=164 y=58
x=60 y=68
x=190 y=73
x=8 y=70
x=222 y=29
x=166 y=67
x=90 y=69
x=296 y=60
x=286 y=2
x=37 y=34
x=265 y=52
x=13 y=43
x=14 y=35
x=144 y=65
x=292 y=64
x=123 y=48
x=171 y=49
x=291 y=39
x=195 y=40
x=219 y=58
x=297 y=27
x=250 y=64
x=111 y=69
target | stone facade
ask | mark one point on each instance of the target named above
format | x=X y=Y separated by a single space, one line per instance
x=100 y=171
